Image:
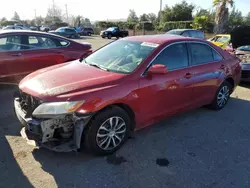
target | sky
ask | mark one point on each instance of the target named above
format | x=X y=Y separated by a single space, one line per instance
x=99 y=9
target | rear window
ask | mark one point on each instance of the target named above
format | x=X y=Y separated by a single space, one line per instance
x=174 y=32
x=200 y=35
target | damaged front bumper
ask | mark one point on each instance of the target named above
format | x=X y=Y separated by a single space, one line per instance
x=62 y=133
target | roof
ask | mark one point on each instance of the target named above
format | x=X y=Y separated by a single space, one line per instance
x=159 y=39
x=17 y=31
x=183 y=30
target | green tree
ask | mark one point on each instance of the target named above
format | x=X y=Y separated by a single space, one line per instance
x=39 y=20
x=182 y=11
x=54 y=16
x=132 y=17
x=203 y=12
x=247 y=19
x=16 y=17
x=222 y=15
x=235 y=18
x=86 y=22
x=179 y=12
x=200 y=22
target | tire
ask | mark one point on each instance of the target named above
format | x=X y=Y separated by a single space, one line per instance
x=89 y=34
x=103 y=37
x=225 y=88
x=97 y=126
x=109 y=36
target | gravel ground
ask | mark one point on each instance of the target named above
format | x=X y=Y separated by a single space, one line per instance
x=199 y=149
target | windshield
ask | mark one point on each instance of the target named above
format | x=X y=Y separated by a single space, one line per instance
x=122 y=56
x=111 y=29
x=244 y=48
x=222 y=39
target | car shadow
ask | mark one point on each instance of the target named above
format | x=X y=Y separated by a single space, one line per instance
x=11 y=174
x=245 y=84
x=194 y=144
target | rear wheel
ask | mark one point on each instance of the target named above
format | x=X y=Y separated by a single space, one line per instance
x=222 y=96
x=107 y=131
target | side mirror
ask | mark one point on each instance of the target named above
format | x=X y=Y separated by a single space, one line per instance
x=157 y=69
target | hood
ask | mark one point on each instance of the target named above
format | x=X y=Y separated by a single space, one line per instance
x=240 y=36
x=65 y=79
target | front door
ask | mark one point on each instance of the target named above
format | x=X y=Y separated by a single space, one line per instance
x=164 y=95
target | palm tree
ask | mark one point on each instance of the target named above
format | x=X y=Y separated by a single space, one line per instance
x=222 y=15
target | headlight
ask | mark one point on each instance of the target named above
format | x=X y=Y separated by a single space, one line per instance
x=56 y=108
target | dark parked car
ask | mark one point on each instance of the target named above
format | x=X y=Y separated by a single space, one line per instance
x=66 y=32
x=240 y=42
x=187 y=33
x=22 y=52
x=122 y=87
x=88 y=31
x=113 y=32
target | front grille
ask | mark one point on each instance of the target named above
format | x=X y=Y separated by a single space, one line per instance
x=28 y=103
x=245 y=74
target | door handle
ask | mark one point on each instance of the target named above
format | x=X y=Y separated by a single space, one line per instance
x=188 y=75
x=18 y=54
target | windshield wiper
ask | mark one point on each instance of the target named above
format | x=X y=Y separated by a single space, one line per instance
x=97 y=66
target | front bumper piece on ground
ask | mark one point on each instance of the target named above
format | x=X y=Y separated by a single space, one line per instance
x=60 y=133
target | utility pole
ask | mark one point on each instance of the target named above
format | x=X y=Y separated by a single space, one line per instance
x=160 y=11
x=66 y=8
x=54 y=10
x=160 y=5
x=35 y=15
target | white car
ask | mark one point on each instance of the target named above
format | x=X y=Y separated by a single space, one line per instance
x=10 y=27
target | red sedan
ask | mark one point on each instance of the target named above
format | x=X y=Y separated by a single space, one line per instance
x=122 y=87
x=22 y=52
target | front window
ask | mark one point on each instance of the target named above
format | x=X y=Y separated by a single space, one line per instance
x=222 y=39
x=122 y=56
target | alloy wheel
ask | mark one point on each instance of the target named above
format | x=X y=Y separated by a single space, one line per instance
x=111 y=133
x=223 y=96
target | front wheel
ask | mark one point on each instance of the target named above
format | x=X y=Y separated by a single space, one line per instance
x=109 y=36
x=107 y=131
x=222 y=96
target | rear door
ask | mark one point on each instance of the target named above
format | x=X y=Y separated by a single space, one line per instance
x=207 y=67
